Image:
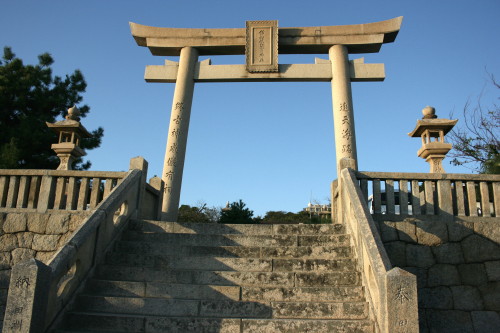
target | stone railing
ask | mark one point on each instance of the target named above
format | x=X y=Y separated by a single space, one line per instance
x=43 y=190
x=446 y=195
x=39 y=293
x=391 y=292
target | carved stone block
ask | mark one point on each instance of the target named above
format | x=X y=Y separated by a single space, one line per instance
x=262 y=46
x=28 y=293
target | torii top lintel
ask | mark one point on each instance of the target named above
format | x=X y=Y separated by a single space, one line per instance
x=358 y=38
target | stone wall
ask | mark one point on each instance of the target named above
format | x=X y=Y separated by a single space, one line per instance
x=32 y=235
x=457 y=264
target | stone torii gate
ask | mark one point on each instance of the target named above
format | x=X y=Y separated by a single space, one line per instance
x=261 y=42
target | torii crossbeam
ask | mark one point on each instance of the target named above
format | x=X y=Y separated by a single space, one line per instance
x=261 y=42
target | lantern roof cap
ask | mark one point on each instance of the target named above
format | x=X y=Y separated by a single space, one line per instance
x=444 y=125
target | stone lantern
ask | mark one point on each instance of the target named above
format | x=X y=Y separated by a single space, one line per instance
x=432 y=131
x=70 y=133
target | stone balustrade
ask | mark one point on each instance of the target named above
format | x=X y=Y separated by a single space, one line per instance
x=446 y=195
x=43 y=190
x=40 y=290
x=390 y=291
x=444 y=228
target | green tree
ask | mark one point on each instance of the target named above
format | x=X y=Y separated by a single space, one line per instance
x=30 y=96
x=191 y=214
x=476 y=142
x=237 y=213
x=277 y=217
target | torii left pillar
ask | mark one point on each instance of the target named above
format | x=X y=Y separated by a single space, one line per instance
x=175 y=153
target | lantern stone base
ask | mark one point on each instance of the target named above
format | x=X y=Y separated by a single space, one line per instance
x=436 y=163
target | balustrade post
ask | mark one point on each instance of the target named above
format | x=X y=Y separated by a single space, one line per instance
x=47 y=192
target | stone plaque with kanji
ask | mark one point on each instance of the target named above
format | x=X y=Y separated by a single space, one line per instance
x=262 y=46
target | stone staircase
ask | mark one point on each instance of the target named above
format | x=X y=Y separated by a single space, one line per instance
x=191 y=277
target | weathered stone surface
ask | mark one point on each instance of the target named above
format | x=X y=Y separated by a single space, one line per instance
x=64 y=239
x=220 y=264
x=134 y=305
x=466 y=298
x=318 y=252
x=312 y=240
x=28 y=296
x=76 y=220
x=2 y=220
x=225 y=251
x=45 y=242
x=306 y=265
x=435 y=298
x=485 y=321
x=24 y=239
x=231 y=309
x=300 y=326
x=15 y=222
x=4 y=278
x=116 y=288
x=388 y=231
x=58 y=224
x=245 y=278
x=396 y=252
x=346 y=310
x=448 y=253
x=37 y=222
x=419 y=255
x=195 y=291
x=303 y=294
x=136 y=259
x=20 y=254
x=431 y=233
x=45 y=256
x=489 y=230
x=443 y=275
x=5 y=260
x=407 y=231
x=449 y=321
x=493 y=270
x=480 y=249
x=213 y=240
x=490 y=293
x=472 y=274
x=108 y=322
x=457 y=231
x=8 y=242
x=308 y=229
x=327 y=279
x=201 y=325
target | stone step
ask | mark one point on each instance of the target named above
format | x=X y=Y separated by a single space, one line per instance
x=222 y=308
x=175 y=239
x=228 y=278
x=104 y=322
x=215 y=292
x=174 y=307
x=229 y=264
x=211 y=240
x=303 y=325
x=85 y=322
x=266 y=252
x=246 y=229
x=324 y=310
x=162 y=290
x=304 y=294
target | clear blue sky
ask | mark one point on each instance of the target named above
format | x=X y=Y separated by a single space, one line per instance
x=270 y=144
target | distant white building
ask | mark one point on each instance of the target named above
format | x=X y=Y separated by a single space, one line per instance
x=318 y=210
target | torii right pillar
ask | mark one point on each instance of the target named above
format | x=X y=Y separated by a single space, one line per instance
x=343 y=116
